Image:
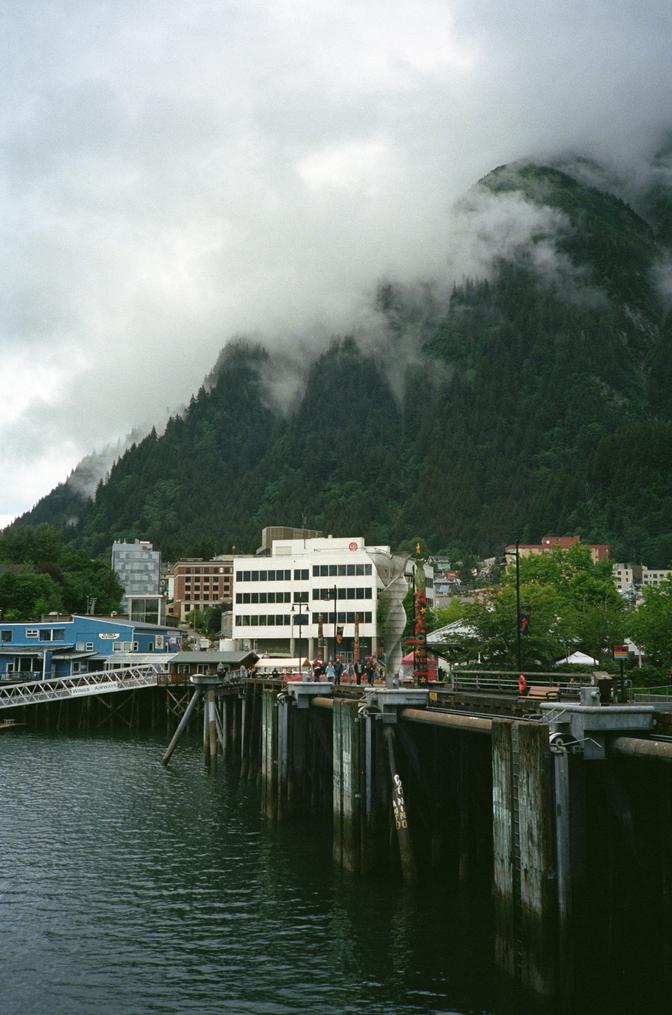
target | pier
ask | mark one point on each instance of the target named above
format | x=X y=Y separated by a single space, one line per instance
x=555 y=805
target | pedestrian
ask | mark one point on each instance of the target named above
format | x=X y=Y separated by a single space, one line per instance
x=331 y=672
x=317 y=670
x=370 y=671
x=351 y=673
x=338 y=671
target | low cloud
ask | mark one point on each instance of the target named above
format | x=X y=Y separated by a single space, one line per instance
x=174 y=174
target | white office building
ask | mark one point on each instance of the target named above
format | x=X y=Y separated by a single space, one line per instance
x=316 y=595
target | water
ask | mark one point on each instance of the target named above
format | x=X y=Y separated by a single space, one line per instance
x=127 y=888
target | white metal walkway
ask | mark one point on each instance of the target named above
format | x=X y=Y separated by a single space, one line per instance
x=83 y=685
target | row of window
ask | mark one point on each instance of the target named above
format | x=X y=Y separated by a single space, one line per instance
x=267 y=620
x=302 y=597
x=283 y=619
x=333 y=570
x=363 y=593
x=215 y=571
x=267 y=597
x=264 y=576
x=44 y=634
x=301 y=574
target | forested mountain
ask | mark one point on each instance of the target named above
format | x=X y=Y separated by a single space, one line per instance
x=535 y=400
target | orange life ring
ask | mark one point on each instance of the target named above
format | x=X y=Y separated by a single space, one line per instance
x=522 y=684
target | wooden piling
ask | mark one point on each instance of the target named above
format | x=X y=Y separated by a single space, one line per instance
x=181 y=726
x=347 y=789
x=538 y=870
x=504 y=871
x=269 y=752
x=400 y=813
x=283 y=736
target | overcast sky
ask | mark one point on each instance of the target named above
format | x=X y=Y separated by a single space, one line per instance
x=175 y=172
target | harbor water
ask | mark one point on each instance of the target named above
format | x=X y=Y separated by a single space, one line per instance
x=127 y=888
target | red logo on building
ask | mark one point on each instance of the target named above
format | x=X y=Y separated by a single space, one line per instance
x=352 y=546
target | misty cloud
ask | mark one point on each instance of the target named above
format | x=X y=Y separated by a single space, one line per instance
x=175 y=173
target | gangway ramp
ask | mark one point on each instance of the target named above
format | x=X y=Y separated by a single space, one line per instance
x=83 y=685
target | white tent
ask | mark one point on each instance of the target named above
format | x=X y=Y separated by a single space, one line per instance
x=578 y=659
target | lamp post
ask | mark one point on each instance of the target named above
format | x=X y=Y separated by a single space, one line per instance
x=519 y=647
x=291 y=632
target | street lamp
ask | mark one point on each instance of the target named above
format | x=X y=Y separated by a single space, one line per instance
x=297 y=608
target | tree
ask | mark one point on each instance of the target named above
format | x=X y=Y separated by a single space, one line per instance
x=26 y=596
x=651 y=626
x=570 y=601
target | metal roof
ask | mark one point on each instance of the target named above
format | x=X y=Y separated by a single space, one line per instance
x=228 y=658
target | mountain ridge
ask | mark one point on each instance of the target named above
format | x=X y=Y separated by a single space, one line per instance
x=537 y=399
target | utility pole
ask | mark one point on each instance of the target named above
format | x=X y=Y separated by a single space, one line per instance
x=519 y=647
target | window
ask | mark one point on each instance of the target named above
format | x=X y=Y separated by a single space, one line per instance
x=32 y=632
x=6 y=635
x=302 y=597
x=301 y=574
x=88 y=646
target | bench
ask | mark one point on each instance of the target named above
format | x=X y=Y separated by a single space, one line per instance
x=538 y=692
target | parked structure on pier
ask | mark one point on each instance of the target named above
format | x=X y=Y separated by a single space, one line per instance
x=62 y=646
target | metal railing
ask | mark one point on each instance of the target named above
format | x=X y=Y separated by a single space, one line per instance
x=506 y=682
x=82 y=685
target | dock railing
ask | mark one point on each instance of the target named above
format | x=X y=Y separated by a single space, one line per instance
x=35 y=692
x=505 y=682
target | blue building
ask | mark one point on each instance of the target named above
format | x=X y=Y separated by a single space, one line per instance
x=65 y=646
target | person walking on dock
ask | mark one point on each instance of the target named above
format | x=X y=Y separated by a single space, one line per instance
x=331 y=672
x=338 y=671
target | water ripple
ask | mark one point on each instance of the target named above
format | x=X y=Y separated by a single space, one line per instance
x=128 y=889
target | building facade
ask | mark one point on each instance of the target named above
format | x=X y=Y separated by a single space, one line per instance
x=598 y=551
x=313 y=596
x=138 y=567
x=630 y=578
x=63 y=646
x=201 y=583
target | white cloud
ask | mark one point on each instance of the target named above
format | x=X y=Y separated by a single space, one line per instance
x=174 y=173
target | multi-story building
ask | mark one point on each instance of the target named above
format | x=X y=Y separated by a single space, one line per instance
x=314 y=595
x=629 y=578
x=200 y=583
x=138 y=567
x=598 y=551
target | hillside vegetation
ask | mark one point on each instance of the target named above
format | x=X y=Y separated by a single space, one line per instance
x=535 y=401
